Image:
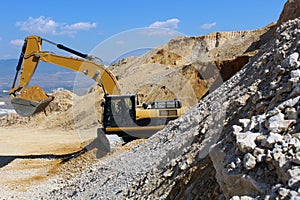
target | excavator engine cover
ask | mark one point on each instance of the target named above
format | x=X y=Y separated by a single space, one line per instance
x=32 y=100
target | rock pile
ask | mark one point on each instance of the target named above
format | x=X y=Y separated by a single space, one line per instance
x=262 y=156
x=254 y=116
x=63 y=101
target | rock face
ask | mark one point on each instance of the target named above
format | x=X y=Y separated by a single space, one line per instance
x=291 y=11
x=262 y=152
x=240 y=142
x=187 y=68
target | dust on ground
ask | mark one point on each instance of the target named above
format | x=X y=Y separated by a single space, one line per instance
x=30 y=157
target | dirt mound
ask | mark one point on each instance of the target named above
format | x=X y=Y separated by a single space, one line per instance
x=183 y=67
x=63 y=101
x=33 y=93
x=67 y=112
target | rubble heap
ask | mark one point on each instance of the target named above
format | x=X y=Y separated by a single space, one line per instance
x=261 y=153
x=241 y=141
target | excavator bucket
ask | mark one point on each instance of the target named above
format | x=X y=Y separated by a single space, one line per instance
x=32 y=100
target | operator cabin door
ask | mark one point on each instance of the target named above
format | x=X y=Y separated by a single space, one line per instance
x=120 y=111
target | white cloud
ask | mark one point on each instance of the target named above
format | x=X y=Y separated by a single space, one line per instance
x=46 y=25
x=163 y=28
x=208 y=26
x=80 y=26
x=0 y=38
x=170 y=24
x=74 y=28
x=17 y=42
x=38 y=25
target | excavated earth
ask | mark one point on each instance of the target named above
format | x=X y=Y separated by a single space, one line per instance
x=239 y=140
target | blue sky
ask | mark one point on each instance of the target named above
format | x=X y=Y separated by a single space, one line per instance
x=84 y=25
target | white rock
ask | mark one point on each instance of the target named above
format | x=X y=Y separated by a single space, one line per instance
x=295 y=173
x=294 y=195
x=283 y=192
x=295 y=73
x=259 y=154
x=232 y=165
x=292 y=182
x=277 y=123
x=293 y=82
x=288 y=103
x=244 y=122
x=273 y=85
x=272 y=139
x=246 y=141
x=293 y=59
x=236 y=129
x=246 y=198
x=249 y=161
x=168 y=173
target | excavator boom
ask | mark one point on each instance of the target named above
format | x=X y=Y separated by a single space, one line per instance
x=28 y=101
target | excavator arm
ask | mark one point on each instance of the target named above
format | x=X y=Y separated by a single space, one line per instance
x=26 y=102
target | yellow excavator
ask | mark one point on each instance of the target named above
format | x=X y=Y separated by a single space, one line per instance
x=122 y=114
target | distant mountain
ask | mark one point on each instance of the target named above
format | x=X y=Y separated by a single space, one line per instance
x=47 y=76
x=9 y=67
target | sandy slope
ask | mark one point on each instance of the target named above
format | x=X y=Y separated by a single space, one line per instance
x=17 y=142
x=46 y=158
x=27 y=155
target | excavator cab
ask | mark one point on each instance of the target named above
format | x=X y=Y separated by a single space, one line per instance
x=119 y=111
x=124 y=117
x=119 y=116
